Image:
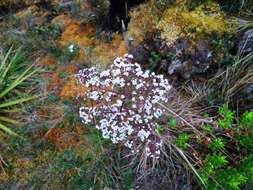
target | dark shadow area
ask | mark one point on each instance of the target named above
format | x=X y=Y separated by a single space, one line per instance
x=119 y=11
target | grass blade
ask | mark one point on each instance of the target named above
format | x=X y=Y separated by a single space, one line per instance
x=190 y=165
x=19 y=101
x=7 y=130
x=8 y=120
x=19 y=80
x=6 y=70
x=3 y=62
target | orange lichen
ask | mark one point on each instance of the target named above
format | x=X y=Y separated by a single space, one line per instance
x=104 y=53
x=46 y=61
x=75 y=33
x=79 y=34
x=56 y=81
x=62 y=20
x=64 y=139
x=71 y=89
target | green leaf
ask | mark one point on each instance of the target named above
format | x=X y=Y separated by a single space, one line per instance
x=19 y=80
x=172 y=123
x=182 y=140
x=217 y=160
x=8 y=120
x=216 y=144
x=7 y=130
x=19 y=101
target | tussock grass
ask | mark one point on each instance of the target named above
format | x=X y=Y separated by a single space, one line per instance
x=233 y=78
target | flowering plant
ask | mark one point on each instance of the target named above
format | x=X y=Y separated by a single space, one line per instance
x=122 y=103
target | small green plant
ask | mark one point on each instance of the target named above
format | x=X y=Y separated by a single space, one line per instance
x=182 y=139
x=217 y=144
x=216 y=160
x=154 y=60
x=208 y=129
x=12 y=77
x=159 y=129
x=227 y=117
x=172 y=123
x=244 y=132
x=247 y=120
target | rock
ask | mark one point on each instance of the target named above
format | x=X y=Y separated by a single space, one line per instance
x=189 y=58
x=141 y=54
x=246 y=43
x=244 y=98
x=175 y=66
x=184 y=58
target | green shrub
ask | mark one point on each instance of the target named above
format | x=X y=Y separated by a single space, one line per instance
x=222 y=170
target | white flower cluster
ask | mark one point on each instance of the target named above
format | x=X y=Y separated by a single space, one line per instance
x=122 y=101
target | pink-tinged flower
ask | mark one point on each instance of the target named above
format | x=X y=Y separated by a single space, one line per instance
x=122 y=101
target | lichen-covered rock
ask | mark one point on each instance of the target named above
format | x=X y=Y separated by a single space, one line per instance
x=143 y=20
x=177 y=21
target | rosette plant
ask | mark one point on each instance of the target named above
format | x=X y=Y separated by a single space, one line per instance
x=14 y=74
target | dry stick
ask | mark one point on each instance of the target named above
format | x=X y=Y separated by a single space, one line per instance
x=189 y=164
x=180 y=118
x=2 y=163
x=181 y=152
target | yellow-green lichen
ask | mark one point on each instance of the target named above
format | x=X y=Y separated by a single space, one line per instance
x=143 y=20
x=178 y=21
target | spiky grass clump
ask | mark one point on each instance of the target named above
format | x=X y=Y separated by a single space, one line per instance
x=227 y=84
x=13 y=75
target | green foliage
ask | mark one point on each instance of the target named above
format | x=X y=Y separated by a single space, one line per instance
x=172 y=123
x=13 y=75
x=216 y=144
x=216 y=161
x=217 y=170
x=231 y=178
x=247 y=120
x=182 y=139
x=208 y=129
x=227 y=117
x=154 y=60
x=221 y=175
x=244 y=132
x=246 y=168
